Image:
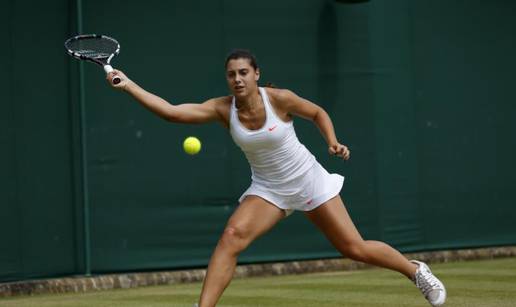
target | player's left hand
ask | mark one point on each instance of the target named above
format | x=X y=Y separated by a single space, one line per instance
x=339 y=150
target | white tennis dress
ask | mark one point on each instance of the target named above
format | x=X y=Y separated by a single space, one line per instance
x=284 y=172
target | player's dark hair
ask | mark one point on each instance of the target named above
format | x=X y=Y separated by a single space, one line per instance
x=236 y=54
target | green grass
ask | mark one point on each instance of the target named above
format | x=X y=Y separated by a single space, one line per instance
x=488 y=283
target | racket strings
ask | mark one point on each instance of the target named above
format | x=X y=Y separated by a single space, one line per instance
x=93 y=47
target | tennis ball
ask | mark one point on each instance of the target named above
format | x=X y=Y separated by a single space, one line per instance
x=192 y=145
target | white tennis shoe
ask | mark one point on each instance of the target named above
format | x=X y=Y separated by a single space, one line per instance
x=431 y=287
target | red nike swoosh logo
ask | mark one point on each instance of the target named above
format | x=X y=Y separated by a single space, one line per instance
x=273 y=127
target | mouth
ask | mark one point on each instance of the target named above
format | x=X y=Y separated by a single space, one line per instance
x=239 y=88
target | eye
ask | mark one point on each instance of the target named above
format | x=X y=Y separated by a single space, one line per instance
x=230 y=74
x=243 y=72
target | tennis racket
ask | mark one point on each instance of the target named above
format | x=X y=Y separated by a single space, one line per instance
x=98 y=49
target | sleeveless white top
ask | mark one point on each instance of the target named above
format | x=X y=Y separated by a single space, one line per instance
x=274 y=152
x=284 y=172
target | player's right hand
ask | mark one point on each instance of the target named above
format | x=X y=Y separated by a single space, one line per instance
x=123 y=79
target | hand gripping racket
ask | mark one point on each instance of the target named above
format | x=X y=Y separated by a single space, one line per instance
x=98 y=49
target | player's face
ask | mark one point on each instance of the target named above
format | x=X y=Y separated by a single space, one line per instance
x=242 y=78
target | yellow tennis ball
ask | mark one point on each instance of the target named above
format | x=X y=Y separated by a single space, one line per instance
x=192 y=145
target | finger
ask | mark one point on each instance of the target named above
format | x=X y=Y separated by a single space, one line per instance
x=343 y=152
x=110 y=76
x=346 y=155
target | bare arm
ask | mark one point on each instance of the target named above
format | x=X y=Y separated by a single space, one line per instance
x=190 y=113
x=295 y=105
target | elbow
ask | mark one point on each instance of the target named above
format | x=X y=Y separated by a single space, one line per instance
x=320 y=112
x=170 y=118
x=171 y=115
x=175 y=118
x=179 y=118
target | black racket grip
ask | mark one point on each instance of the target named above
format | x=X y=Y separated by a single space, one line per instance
x=108 y=69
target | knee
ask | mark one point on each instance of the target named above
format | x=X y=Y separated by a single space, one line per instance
x=356 y=251
x=234 y=238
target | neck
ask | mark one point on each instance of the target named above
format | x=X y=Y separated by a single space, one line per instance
x=248 y=103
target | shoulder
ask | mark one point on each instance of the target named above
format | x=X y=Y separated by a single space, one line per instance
x=289 y=103
x=220 y=102
x=281 y=98
x=222 y=105
x=279 y=95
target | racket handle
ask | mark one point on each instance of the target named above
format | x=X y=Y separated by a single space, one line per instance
x=108 y=69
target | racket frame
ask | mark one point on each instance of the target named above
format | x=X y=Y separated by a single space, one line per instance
x=104 y=62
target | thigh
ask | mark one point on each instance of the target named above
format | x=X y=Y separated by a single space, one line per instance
x=254 y=216
x=333 y=220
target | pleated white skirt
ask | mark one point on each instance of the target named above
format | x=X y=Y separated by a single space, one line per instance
x=304 y=193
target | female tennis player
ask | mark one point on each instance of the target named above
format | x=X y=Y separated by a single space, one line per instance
x=285 y=175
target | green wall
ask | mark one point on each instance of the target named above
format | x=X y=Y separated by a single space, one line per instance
x=419 y=90
x=37 y=209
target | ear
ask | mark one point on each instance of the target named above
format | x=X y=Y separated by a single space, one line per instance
x=257 y=75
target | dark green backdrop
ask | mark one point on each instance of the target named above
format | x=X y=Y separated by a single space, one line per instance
x=93 y=183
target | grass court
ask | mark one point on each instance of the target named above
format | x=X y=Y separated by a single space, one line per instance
x=485 y=283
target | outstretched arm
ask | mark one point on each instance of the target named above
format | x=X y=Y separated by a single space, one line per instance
x=191 y=113
x=295 y=105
